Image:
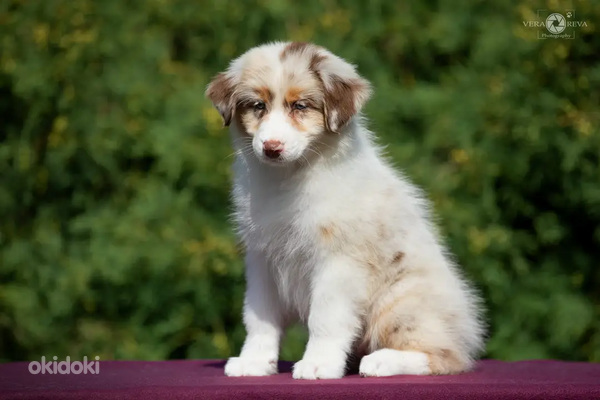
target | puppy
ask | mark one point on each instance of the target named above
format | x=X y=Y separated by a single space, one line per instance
x=334 y=237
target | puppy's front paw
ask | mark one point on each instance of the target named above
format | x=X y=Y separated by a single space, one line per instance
x=238 y=366
x=318 y=369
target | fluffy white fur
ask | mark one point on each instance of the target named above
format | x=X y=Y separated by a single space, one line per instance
x=334 y=236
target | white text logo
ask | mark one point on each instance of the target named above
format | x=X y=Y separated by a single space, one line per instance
x=554 y=25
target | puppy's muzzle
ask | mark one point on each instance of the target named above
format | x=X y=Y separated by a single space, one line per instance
x=272 y=149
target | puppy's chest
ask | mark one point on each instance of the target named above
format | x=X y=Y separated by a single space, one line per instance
x=300 y=222
x=280 y=228
x=278 y=223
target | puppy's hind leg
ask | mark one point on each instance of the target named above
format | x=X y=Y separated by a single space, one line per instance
x=403 y=342
x=387 y=362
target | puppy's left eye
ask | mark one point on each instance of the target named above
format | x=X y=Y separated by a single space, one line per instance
x=300 y=106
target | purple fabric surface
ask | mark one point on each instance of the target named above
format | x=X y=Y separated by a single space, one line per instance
x=204 y=379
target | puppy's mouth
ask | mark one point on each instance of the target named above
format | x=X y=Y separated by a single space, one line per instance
x=273 y=154
x=272 y=159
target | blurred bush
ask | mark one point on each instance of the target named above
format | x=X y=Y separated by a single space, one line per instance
x=114 y=169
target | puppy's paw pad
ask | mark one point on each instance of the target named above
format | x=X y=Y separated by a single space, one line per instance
x=321 y=369
x=238 y=366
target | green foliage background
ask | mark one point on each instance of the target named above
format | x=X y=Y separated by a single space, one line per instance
x=114 y=168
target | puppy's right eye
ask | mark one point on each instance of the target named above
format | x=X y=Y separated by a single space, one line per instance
x=299 y=106
x=259 y=105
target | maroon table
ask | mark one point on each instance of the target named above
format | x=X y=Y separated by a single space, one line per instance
x=204 y=379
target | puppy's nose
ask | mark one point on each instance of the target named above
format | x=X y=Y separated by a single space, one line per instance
x=272 y=148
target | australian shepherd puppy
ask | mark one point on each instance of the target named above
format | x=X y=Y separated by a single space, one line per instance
x=334 y=237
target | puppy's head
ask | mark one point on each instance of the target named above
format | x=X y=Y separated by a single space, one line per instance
x=285 y=96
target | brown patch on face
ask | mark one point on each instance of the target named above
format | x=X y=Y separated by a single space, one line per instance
x=446 y=361
x=265 y=94
x=302 y=119
x=397 y=257
x=307 y=119
x=220 y=92
x=293 y=94
x=292 y=48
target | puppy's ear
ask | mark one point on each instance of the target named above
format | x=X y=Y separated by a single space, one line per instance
x=221 y=92
x=345 y=91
